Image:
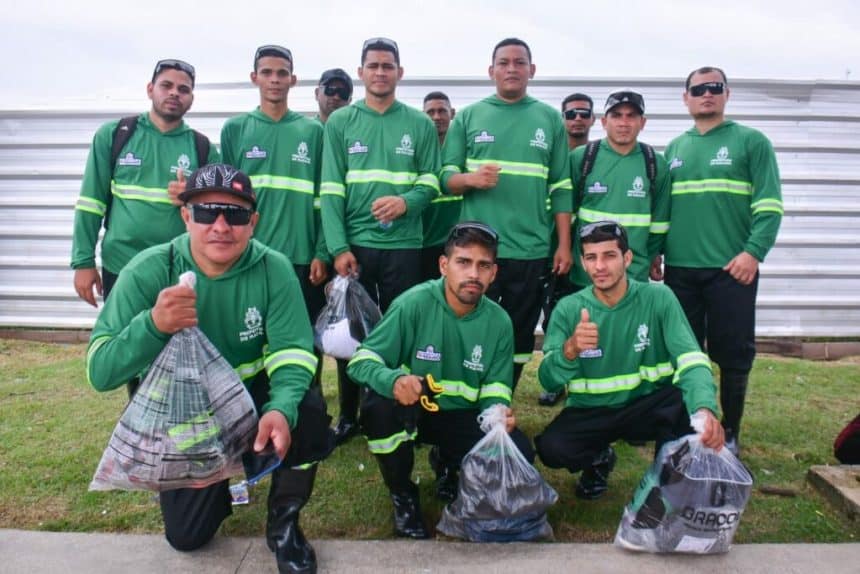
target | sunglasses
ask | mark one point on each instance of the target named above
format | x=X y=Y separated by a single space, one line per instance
x=341 y=92
x=162 y=65
x=609 y=227
x=207 y=213
x=461 y=229
x=380 y=42
x=716 y=88
x=272 y=50
x=574 y=113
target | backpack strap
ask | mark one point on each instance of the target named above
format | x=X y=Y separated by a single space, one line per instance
x=650 y=162
x=201 y=145
x=121 y=134
x=588 y=158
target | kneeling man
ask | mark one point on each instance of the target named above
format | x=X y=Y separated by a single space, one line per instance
x=445 y=328
x=632 y=367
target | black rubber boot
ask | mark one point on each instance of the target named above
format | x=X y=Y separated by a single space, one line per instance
x=396 y=469
x=290 y=491
x=348 y=398
x=733 y=392
x=447 y=477
x=594 y=480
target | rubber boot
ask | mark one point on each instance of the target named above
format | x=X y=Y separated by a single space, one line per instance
x=348 y=395
x=396 y=469
x=290 y=491
x=594 y=480
x=733 y=392
x=447 y=476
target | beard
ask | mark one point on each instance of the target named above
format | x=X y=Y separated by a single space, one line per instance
x=468 y=297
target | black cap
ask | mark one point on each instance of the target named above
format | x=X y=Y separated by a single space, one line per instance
x=336 y=74
x=381 y=43
x=273 y=50
x=219 y=177
x=625 y=97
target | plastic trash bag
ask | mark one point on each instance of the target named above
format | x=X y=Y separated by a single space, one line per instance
x=501 y=498
x=187 y=425
x=347 y=318
x=690 y=500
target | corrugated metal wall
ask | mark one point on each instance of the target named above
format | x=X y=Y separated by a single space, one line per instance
x=810 y=283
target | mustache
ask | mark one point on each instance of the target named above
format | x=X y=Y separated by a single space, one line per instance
x=469 y=283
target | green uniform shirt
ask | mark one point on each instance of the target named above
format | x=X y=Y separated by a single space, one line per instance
x=645 y=343
x=441 y=215
x=283 y=159
x=368 y=155
x=253 y=314
x=470 y=356
x=726 y=196
x=527 y=140
x=140 y=213
x=618 y=189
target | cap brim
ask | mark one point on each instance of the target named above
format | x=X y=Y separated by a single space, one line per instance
x=187 y=195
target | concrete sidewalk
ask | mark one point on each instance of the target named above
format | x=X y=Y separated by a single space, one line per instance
x=72 y=553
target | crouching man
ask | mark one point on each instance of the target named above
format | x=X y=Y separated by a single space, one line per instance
x=248 y=302
x=630 y=362
x=445 y=328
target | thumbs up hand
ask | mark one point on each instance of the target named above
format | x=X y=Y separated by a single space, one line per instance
x=584 y=337
x=175 y=187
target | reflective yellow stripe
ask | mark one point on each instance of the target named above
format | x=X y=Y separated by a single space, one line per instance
x=280 y=182
x=332 y=188
x=429 y=180
x=625 y=219
x=624 y=382
x=390 y=443
x=459 y=389
x=561 y=184
x=248 y=370
x=712 y=186
x=381 y=176
x=300 y=357
x=445 y=198
x=522 y=358
x=94 y=346
x=91 y=205
x=365 y=355
x=659 y=227
x=692 y=359
x=452 y=168
x=497 y=390
x=774 y=205
x=151 y=194
x=511 y=167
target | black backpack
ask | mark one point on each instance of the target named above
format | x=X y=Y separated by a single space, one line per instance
x=122 y=134
x=591 y=149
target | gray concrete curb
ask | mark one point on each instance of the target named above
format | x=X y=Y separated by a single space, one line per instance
x=23 y=552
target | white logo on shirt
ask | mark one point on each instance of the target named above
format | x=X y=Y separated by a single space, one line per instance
x=484 y=137
x=676 y=162
x=642 y=340
x=405 y=146
x=539 y=140
x=722 y=157
x=596 y=187
x=638 y=189
x=255 y=153
x=357 y=147
x=253 y=324
x=475 y=363
x=429 y=354
x=183 y=162
x=301 y=154
x=129 y=159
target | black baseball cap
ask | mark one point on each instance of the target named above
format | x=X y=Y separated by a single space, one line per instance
x=219 y=177
x=336 y=74
x=625 y=97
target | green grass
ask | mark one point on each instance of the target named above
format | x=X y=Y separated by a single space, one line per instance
x=53 y=428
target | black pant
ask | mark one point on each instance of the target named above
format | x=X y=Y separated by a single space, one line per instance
x=314 y=296
x=386 y=273
x=108 y=281
x=556 y=288
x=192 y=515
x=455 y=432
x=430 y=261
x=577 y=435
x=721 y=313
x=518 y=288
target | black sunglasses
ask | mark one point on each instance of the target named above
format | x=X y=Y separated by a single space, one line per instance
x=171 y=64
x=716 y=88
x=379 y=41
x=461 y=229
x=272 y=50
x=573 y=113
x=341 y=92
x=207 y=213
x=609 y=227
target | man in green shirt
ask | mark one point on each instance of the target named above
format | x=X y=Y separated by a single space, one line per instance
x=631 y=365
x=247 y=302
x=445 y=328
x=380 y=166
x=444 y=211
x=333 y=92
x=281 y=151
x=507 y=156
x=136 y=198
x=726 y=212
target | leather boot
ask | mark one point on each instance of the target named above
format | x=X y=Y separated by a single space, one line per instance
x=733 y=391
x=347 y=396
x=290 y=491
x=396 y=469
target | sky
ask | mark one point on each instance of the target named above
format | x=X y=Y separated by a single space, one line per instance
x=57 y=52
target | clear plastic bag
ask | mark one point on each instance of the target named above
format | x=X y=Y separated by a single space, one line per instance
x=501 y=498
x=347 y=318
x=690 y=500
x=187 y=425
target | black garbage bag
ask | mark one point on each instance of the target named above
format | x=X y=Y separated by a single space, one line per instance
x=347 y=318
x=501 y=497
x=187 y=425
x=690 y=501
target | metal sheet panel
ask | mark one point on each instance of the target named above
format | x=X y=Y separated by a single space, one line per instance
x=810 y=283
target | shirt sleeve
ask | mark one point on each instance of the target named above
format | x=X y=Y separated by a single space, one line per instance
x=660 y=209
x=371 y=364
x=289 y=358
x=496 y=384
x=555 y=370
x=228 y=154
x=95 y=197
x=767 y=209
x=453 y=152
x=333 y=188
x=559 y=183
x=426 y=186
x=320 y=248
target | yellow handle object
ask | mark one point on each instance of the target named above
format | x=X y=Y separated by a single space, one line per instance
x=435 y=387
x=428 y=404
